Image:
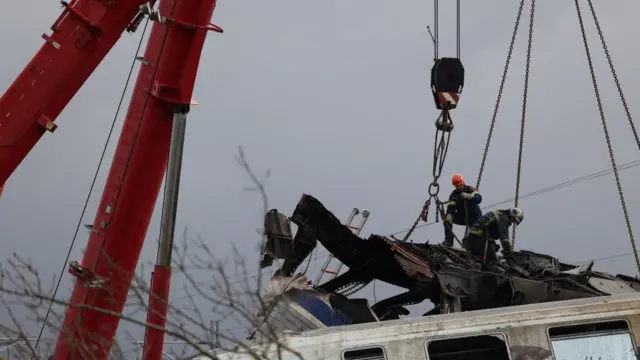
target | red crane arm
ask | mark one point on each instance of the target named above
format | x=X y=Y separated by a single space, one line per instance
x=163 y=88
x=82 y=36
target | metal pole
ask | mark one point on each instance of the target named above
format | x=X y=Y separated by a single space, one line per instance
x=161 y=277
x=172 y=186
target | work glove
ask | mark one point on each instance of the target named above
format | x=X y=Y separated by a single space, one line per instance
x=466 y=196
x=448 y=220
x=507 y=250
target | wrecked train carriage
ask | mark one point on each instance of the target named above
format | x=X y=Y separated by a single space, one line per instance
x=589 y=328
x=449 y=278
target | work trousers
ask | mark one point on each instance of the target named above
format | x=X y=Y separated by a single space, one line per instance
x=482 y=247
x=448 y=228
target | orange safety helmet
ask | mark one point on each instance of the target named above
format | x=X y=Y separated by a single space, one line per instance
x=457 y=180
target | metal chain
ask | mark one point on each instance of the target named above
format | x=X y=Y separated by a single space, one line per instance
x=615 y=75
x=497 y=106
x=423 y=215
x=444 y=126
x=524 y=113
x=606 y=135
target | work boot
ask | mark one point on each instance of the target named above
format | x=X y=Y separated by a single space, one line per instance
x=447 y=243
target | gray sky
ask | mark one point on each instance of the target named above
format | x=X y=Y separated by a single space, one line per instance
x=333 y=97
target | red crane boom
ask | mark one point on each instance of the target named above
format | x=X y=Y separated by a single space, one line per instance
x=82 y=36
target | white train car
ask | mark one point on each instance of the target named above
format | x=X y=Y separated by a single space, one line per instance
x=599 y=328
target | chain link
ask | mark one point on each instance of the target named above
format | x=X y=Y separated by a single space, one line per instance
x=424 y=214
x=606 y=135
x=444 y=126
x=497 y=106
x=613 y=72
x=524 y=114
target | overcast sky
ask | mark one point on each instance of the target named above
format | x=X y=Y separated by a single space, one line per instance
x=333 y=97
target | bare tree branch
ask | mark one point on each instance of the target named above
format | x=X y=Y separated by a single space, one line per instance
x=219 y=297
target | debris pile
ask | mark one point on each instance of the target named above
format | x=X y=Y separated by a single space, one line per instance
x=452 y=279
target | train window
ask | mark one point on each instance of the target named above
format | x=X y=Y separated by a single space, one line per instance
x=604 y=340
x=375 y=353
x=469 y=348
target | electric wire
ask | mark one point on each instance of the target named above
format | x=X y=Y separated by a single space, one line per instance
x=93 y=183
x=546 y=189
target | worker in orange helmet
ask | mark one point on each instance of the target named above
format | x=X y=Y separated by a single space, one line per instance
x=463 y=207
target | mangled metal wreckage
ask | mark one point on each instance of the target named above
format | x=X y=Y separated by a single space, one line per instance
x=450 y=278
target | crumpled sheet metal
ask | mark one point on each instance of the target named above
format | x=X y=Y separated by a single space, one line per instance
x=411 y=263
x=278 y=285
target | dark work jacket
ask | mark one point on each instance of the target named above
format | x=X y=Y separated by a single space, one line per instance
x=457 y=209
x=495 y=225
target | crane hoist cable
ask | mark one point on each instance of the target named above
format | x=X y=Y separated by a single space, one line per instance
x=447 y=81
x=603 y=118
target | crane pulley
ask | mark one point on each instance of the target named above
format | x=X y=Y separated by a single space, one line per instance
x=447 y=81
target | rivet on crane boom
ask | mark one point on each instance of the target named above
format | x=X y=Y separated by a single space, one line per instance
x=364 y=215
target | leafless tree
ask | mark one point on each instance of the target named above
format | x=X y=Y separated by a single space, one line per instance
x=220 y=304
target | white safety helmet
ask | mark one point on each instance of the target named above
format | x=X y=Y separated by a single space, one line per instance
x=516 y=215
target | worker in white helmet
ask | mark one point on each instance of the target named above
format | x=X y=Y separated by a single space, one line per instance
x=490 y=227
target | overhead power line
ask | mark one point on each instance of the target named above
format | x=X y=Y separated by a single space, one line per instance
x=544 y=190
